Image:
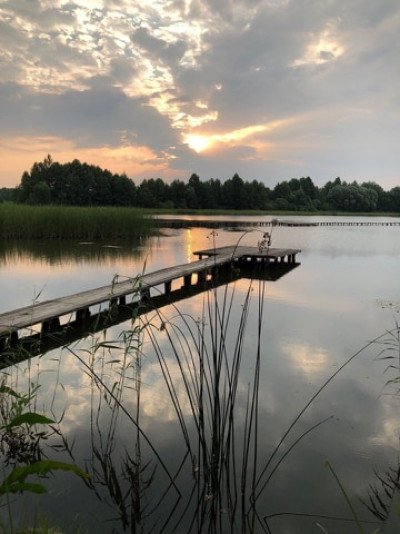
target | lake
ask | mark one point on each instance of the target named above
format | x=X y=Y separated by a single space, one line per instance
x=178 y=417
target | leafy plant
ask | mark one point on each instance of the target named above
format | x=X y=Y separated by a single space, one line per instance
x=20 y=443
x=381 y=494
x=16 y=482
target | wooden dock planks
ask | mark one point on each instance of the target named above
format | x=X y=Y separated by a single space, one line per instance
x=249 y=252
x=47 y=313
x=44 y=311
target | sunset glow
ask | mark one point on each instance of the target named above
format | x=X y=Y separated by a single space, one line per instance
x=123 y=82
x=198 y=143
x=134 y=159
x=323 y=50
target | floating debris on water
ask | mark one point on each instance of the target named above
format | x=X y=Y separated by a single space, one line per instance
x=389 y=304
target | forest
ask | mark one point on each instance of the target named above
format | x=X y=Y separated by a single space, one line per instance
x=81 y=184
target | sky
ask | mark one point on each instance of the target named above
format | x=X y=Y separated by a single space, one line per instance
x=270 y=89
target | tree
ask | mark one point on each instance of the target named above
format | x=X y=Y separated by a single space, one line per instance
x=81 y=184
x=7 y=194
x=352 y=197
x=300 y=201
x=258 y=195
x=193 y=191
x=307 y=185
x=383 y=196
x=40 y=194
x=281 y=190
x=75 y=183
x=146 y=199
x=211 y=195
x=234 y=193
x=178 y=194
x=394 y=199
x=199 y=194
x=123 y=191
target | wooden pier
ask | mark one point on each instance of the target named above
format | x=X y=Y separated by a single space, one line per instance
x=37 y=343
x=47 y=314
x=252 y=254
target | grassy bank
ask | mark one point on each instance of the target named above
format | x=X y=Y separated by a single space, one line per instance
x=19 y=221
x=48 y=222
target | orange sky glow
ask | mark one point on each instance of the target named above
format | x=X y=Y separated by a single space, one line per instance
x=271 y=90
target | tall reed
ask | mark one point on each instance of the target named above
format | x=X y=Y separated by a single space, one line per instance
x=223 y=451
x=19 y=221
x=221 y=474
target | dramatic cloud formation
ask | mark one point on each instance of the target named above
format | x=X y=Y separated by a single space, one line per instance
x=268 y=88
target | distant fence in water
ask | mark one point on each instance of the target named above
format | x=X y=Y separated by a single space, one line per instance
x=220 y=223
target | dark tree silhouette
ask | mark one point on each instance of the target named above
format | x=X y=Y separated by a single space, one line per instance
x=76 y=183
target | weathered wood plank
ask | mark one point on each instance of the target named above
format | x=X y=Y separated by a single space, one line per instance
x=46 y=311
x=251 y=252
x=43 y=311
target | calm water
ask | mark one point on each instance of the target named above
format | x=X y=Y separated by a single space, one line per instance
x=344 y=294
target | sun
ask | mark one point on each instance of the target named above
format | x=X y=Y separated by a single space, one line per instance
x=198 y=143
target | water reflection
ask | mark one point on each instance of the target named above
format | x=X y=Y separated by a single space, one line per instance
x=312 y=320
x=64 y=252
x=33 y=343
x=110 y=384
x=306 y=358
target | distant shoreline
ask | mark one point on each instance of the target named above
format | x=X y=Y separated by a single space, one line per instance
x=272 y=213
x=96 y=223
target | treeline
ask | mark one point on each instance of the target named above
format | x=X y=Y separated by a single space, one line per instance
x=80 y=184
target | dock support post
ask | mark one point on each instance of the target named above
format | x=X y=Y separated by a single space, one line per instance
x=82 y=315
x=11 y=340
x=168 y=287
x=14 y=338
x=187 y=281
x=201 y=277
x=52 y=325
x=214 y=271
x=145 y=293
x=122 y=300
x=113 y=307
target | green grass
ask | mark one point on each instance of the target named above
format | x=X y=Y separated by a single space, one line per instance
x=48 y=222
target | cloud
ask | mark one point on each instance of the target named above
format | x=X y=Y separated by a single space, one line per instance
x=96 y=115
x=134 y=160
x=101 y=72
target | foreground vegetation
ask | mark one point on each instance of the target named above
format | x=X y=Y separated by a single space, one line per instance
x=219 y=474
x=43 y=222
x=77 y=183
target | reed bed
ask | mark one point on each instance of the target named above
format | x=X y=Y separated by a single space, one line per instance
x=217 y=481
x=66 y=222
